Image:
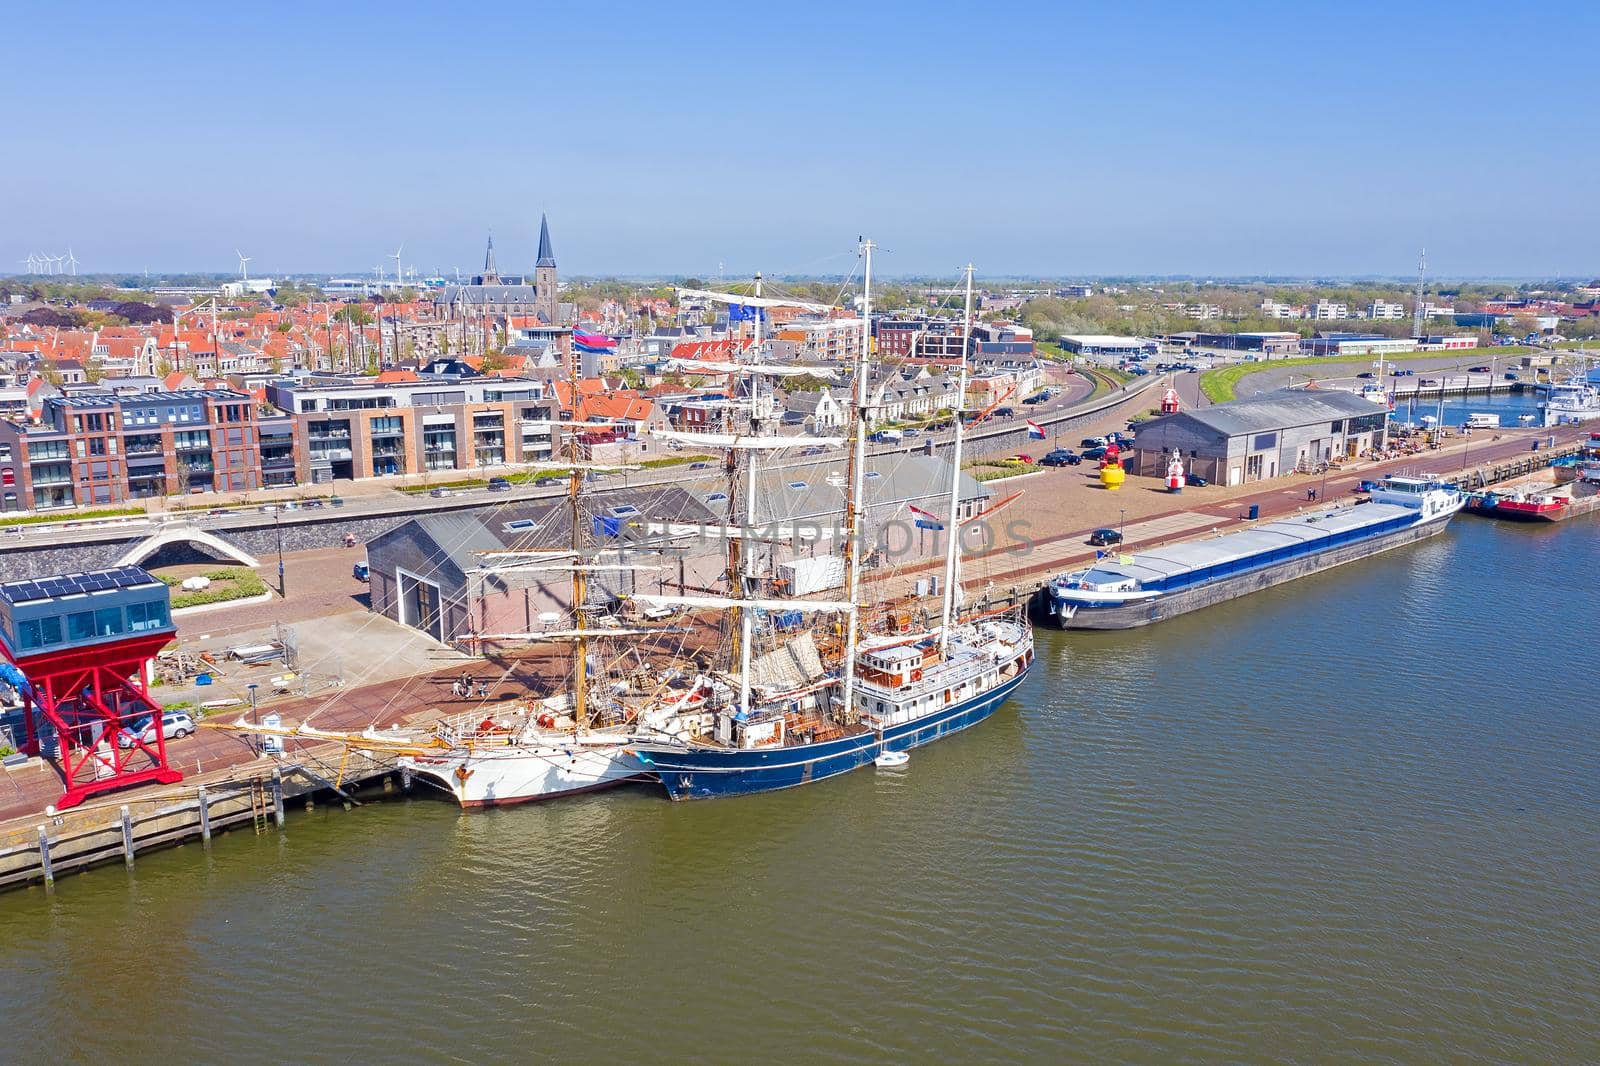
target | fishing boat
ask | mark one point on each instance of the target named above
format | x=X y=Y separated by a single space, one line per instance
x=831 y=700
x=1124 y=591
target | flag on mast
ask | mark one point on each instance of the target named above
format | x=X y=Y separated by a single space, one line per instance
x=1035 y=430
x=925 y=520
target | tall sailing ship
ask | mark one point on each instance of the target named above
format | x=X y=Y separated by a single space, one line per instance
x=835 y=696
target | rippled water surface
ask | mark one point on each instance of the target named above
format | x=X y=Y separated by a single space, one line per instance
x=1353 y=817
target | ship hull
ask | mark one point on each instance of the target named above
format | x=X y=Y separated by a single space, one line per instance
x=707 y=772
x=526 y=773
x=1170 y=605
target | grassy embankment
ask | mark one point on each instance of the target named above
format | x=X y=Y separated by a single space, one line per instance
x=70 y=516
x=527 y=477
x=1219 y=384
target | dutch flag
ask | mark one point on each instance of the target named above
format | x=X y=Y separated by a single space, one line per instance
x=925 y=520
x=1035 y=430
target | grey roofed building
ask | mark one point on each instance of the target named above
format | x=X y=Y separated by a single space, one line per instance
x=1262 y=437
x=429 y=571
x=1282 y=408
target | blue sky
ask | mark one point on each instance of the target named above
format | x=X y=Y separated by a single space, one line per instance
x=1050 y=138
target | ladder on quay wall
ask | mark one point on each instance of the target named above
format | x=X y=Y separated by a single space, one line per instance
x=260 y=805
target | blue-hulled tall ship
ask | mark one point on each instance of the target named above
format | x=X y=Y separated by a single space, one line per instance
x=833 y=698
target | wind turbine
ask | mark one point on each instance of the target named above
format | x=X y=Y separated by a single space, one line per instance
x=399 y=278
x=244 y=265
x=73 y=261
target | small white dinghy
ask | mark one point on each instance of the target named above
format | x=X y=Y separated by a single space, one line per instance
x=889 y=759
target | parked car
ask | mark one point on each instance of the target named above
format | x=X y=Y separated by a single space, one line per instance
x=1092 y=442
x=441 y=493
x=546 y=482
x=1102 y=537
x=361 y=572
x=173 y=724
x=1061 y=457
x=1004 y=412
x=1511 y=375
x=313 y=505
x=1196 y=480
x=1020 y=457
x=499 y=484
x=1479 y=370
x=1399 y=373
x=1093 y=454
x=1427 y=383
x=1034 y=399
x=1367 y=485
x=1366 y=374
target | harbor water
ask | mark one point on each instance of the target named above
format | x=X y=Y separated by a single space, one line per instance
x=1350 y=818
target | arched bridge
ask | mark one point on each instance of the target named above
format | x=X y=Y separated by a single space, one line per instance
x=183 y=533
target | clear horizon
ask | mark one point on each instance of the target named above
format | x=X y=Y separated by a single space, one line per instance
x=1039 y=140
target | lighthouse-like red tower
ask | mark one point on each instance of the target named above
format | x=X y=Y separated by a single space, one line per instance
x=78 y=651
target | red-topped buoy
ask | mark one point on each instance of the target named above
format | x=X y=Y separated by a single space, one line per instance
x=1175 y=478
x=1169 y=402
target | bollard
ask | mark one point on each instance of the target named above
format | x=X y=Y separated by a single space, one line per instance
x=205 y=814
x=127 y=837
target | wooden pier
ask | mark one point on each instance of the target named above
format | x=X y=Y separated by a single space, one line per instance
x=254 y=795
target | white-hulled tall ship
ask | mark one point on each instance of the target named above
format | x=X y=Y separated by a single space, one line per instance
x=816 y=705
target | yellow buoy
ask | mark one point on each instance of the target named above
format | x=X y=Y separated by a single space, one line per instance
x=1111 y=476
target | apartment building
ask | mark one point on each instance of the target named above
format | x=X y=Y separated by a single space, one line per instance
x=101 y=448
x=922 y=338
x=1380 y=309
x=1274 y=309
x=1328 y=310
x=828 y=340
x=357 y=429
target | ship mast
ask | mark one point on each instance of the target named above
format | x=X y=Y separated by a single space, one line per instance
x=857 y=482
x=952 y=550
x=746 y=548
x=580 y=589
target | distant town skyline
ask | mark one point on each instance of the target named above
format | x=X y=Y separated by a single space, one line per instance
x=1033 y=140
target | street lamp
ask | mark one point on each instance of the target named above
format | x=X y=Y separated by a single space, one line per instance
x=255 y=717
x=277 y=528
x=1122 y=516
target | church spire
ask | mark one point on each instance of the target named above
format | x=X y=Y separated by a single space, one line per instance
x=488 y=257
x=547 y=255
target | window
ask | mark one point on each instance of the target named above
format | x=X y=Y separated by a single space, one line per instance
x=1263 y=441
x=39 y=632
x=80 y=626
x=151 y=615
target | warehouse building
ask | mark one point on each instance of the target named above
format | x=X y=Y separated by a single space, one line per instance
x=1262 y=437
x=1102 y=344
x=1279 y=343
x=1337 y=344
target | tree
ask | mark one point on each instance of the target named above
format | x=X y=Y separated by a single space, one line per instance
x=354 y=314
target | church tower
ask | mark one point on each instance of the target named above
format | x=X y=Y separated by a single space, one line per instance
x=490 y=275
x=544 y=276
